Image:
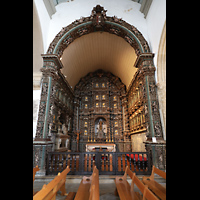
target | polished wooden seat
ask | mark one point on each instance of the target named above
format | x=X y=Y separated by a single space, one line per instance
x=50 y=190
x=70 y=196
x=158 y=189
x=126 y=191
x=89 y=187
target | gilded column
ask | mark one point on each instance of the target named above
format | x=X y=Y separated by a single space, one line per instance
x=43 y=140
x=151 y=107
x=146 y=67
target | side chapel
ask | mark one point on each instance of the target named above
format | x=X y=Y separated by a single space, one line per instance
x=100 y=112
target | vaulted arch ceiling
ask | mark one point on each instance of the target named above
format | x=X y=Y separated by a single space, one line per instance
x=98 y=42
x=99 y=50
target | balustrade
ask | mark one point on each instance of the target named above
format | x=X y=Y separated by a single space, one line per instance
x=107 y=162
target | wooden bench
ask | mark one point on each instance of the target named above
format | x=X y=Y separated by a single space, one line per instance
x=50 y=190
x=158 y=189
x=89 y=187
x=126 y=191
x=35 y=169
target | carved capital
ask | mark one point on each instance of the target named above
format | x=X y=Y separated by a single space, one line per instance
x=143 y=60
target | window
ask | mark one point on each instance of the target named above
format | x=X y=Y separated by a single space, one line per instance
x=116 y=124
x=115 y=105
x=114 y=98
x=103 y=85
x=103 y=97
x=85 y=132
x=104 y=105
x=86 y=106
x=85 y=124
x=116 y=132
x=86 y=98
x=97 y=97
x=97 y=85
x=97 y=105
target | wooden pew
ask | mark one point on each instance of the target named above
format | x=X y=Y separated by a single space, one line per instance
x=49 y=191
x=126 y=192
x=89 y=187
x=35 y=169
x=158 y=189
x=34 y=172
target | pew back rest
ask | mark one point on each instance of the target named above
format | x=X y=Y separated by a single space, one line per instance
x=159 y=172
x=139 y=184
x=89 y=187
x=94 y=188
x=147 y=194
x=48 y=191
x=129 y=172
x=35 y=169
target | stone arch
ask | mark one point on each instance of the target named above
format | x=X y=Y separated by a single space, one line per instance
x=98 y=21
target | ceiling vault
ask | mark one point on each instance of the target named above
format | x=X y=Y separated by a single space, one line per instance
x=98 y=42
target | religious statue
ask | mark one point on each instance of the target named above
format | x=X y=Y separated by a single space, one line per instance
x=64 y=129
x=100 y=131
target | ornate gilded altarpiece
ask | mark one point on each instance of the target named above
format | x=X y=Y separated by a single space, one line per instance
x=100 y=111
x=101 y=108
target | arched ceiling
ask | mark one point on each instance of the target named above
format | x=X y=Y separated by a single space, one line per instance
x=98 y=50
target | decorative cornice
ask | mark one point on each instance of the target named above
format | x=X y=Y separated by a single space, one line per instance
x=52 y=65
x=142 y=57
x=54 y=58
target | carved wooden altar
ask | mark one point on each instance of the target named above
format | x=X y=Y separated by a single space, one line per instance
x=98 y=108
x=99 y=97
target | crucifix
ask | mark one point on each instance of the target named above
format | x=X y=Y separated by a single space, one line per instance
x=77 y=140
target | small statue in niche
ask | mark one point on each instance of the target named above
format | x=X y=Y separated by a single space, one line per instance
x=154 y=106
x=146 y=109
x=59 y=128
x=100 y=129
x=64 y=129
x=151 y=87
x=51 y=109
x=157 y=129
